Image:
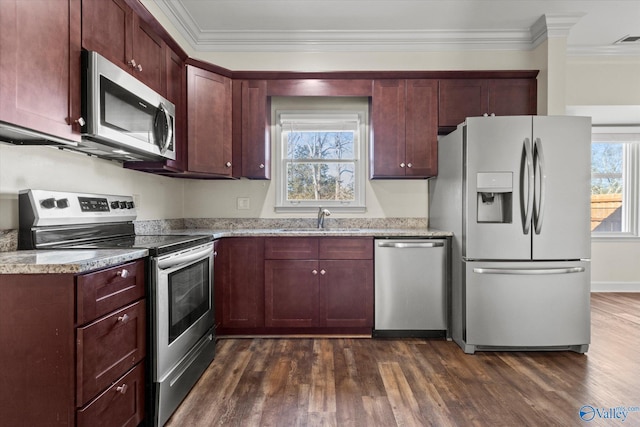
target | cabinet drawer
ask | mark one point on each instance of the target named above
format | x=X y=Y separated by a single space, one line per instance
x=122 y=404
x=104 y=291
x=107 y=348
x=346 y=248
x=291 y=248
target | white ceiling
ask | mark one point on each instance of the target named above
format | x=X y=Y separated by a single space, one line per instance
x=591 y=26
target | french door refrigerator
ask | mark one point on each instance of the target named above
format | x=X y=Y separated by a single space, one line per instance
x=515 y=192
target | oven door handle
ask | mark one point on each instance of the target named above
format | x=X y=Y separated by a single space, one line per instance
x=182 y=260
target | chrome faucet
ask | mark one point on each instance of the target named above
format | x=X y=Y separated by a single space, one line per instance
x=321 y=214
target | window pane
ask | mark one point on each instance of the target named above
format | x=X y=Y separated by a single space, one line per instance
x=321 y=181
x=320 y=145
x=606 y=187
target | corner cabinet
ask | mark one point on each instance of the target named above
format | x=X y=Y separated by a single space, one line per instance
x=251 y=121
x=462 y=98
x=73 y=348
x=209 y=140
x=239 y=284
x=40 y=87
x=404 y=139
x=313 y=283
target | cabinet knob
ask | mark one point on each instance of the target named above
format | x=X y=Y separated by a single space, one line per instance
x=215 y=253
x=314 y=272
x=123 y=273
x=124 y=318
x=228 y=164
x=138 y=67
x=401 y=165
x=323 y=272
x=80 y=121
x=132 y=63
x=409 y=165
x=261 y=166
x=122 y=389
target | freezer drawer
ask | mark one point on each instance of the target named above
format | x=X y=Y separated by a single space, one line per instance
x=410 y=286
x=527 y=304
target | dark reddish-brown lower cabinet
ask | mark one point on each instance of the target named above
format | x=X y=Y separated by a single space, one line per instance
x=63 y=369
x=120 y=405
x=331 y=291
x=239 y=284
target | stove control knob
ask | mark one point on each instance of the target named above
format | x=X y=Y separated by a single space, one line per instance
x=114 y=205
x=62 y=203
x=129 y=205
x=48 y=203
x=123 y=205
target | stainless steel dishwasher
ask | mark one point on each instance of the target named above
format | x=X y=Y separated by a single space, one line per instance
x=410 y=288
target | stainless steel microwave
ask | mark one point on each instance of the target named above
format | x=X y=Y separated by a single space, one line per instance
x=124 y=119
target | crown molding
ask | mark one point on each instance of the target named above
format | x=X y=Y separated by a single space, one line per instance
x=547 y=26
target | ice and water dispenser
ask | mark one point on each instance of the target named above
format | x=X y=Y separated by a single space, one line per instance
x=495 y=192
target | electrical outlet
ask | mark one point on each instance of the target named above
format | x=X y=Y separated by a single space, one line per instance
x=243 y=203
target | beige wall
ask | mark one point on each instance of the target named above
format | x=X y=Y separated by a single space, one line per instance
x=570 y=81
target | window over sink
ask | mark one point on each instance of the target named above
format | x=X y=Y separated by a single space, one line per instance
x=320 y=156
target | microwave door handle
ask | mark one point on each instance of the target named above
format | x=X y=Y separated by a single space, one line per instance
x=164 y=134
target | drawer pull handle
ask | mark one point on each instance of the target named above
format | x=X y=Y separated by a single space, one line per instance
x=123 y=273
x=122 y=389
x=124 y=318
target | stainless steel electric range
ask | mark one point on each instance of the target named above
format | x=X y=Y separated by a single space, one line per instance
x=179 y=293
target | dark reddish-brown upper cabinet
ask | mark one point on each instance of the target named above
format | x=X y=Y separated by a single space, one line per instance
x=404 y=139
x=251 y=109
x=209 y=140
x=111 y=28
x=239 y=284
x=462 y=98
x=40 y=66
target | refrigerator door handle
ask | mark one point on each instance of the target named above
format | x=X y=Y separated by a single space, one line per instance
x=530 y=182
x=529 y=271
x=539 y=167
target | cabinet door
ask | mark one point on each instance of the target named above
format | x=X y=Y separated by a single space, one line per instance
x=459 y=99
x=388 y=135
x=512 y=97
x=148 y=52
x=256 y=150
x=421 y=129
x=176 y=84
x=26 y=67
x=291 y=293
x=346 y=293
x=209 y=122
x=106 y=28
x=239 y=283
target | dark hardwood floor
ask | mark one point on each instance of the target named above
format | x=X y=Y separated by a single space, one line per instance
x=417 y=382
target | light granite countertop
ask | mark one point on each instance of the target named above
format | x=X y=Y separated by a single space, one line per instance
x=65 y=260
x=330 y=232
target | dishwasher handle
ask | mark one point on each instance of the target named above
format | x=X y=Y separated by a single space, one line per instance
x=404 y=245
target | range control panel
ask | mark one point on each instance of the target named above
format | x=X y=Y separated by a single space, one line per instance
x=44 y=207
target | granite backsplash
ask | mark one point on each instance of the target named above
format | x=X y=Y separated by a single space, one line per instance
x=9 y=238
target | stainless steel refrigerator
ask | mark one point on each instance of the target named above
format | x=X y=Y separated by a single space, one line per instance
x=515 y=191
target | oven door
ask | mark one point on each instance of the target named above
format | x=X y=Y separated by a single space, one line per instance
x=182 y=304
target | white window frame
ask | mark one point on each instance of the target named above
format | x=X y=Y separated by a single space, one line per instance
x=323 y=118
x=630 y=138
